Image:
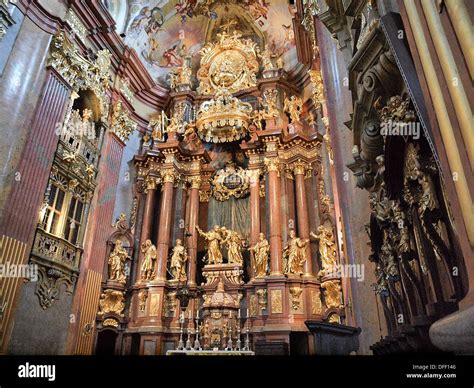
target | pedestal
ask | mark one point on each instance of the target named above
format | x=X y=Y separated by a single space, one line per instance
x=334 y=339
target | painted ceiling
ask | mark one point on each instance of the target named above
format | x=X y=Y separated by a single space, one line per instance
x=164 y=32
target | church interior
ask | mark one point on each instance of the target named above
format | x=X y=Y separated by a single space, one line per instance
x=252 y=177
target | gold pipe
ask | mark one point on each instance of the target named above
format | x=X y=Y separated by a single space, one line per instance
x=463 y=26
x=445 y=127
x=451 y=73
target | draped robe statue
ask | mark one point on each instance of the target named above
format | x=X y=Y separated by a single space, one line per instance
x=214 y=239
x=178 y=262
x=148 y=265
x=295 y=254
x=261 y=250
x=116 y=263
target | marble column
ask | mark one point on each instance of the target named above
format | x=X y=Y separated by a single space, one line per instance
x=274 y=216
x=192 y=240
x=254 y=210
x=164 y=228
x=299 y=171
x=150 y=191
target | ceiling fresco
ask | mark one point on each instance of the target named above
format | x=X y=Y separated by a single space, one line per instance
x=165 y=33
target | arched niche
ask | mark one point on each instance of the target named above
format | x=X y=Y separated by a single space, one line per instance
x=87 y=99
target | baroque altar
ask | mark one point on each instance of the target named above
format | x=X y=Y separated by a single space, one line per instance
x=232 y=251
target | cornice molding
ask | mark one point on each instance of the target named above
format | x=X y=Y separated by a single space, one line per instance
x=40 y=16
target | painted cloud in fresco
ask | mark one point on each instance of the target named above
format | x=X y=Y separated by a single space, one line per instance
x=164 y=33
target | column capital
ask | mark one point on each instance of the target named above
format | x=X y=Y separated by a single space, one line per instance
x=194 y=181
x=254 y=175
x=169 y=175
x=272 y=164
x=300 y=167
x=150 y=183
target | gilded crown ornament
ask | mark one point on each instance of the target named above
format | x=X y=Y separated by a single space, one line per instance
x=227 y=66
x=229 y=63
x=224 y=119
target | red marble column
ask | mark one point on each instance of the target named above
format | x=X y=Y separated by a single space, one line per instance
x=254 y=206
x=150 y=191
x=164 y=228
x=274 y=216
x=193 y=222
x=254 y=211
x=302 y=212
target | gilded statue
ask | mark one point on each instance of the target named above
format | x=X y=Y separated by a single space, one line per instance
x=327 y=248
x=294 y=107
x=182 y=76
x=280 y=63
x=266 y=57
x=116 y=263
x=234 y=243
x=294 y=254
x=90 y=171
x=142 y=296
x=158 y=127
x=214 y=239
x=149 y=258
x=174 y=125
x=178 y=262
x=261 y=250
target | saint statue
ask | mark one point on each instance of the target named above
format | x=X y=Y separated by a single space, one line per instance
x=295 y=254
x=327 y=248
x=234 y=243
x=117 y=263
x=157 y=125
x=214 y=239
x=266 y=57
x=261 y=250
x=178 y=262
x=294 y=107
x=149 y=258
x=280 y=63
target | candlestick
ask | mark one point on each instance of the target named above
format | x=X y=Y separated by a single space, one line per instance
x=188 y=341
x=239 y=342
x=248 y=314
x=180 y=343
x=238 y=314
x=247 y=341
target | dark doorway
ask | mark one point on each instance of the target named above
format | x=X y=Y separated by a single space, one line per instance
x=298 y=344
x=106 y=343
x=135 y=349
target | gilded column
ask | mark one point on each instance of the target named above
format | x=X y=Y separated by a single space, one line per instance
x=299 y=170
x=164 y=229
x=192 y=240
x=150 y=190
x=274 y=215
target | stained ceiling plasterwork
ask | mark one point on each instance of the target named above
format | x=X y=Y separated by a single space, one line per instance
x=165 y=33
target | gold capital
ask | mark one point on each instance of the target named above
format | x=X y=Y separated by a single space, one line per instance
x=272 y=164
x=168 y=176
x=195 y=182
